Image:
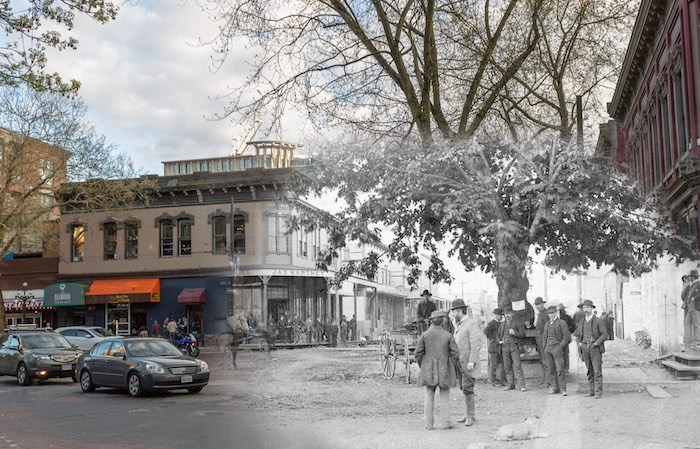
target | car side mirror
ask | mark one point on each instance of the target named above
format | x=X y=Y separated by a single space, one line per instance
x=74 y=346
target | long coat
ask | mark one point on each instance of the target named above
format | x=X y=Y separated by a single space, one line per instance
x=469 y=343
x=438 y=357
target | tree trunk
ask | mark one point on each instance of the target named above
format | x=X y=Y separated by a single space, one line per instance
x=511 y=273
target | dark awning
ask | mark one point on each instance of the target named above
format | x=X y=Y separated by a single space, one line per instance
x=192 y=296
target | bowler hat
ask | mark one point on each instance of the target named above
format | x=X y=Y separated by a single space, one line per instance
x=426 y=292
x=551 y=309
x=458 y=304
x=539 y=300
x=693 y=273
x=560 y=306
x=497 y=311
x=588 y=302
x=437 y=314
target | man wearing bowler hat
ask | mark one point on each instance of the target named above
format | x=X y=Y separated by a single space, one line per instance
x=542 y=318
x=510 y=332
x=591 y=334
x=555 y=338
x=425 y=308
x=438 y=357
x=497 y=372
x=468 y=338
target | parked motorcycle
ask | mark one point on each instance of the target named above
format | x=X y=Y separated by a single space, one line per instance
x=187 y=344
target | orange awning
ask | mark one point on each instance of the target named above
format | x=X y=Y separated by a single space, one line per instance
x=192 y=296
x=123 y=290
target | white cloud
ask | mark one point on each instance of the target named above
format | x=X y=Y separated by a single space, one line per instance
x=149 y=85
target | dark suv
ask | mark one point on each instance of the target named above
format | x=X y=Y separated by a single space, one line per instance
x=36 y=355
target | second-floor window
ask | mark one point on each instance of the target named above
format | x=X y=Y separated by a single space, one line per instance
x=277 y=239
x=77 y=243
x=303 y=243
x=184 y=227
x=166 y=238
x=110 y=240
x=131 y=240
x=218 y=230
x=239 y=234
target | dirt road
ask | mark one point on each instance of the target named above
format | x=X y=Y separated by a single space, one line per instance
x=325 y=398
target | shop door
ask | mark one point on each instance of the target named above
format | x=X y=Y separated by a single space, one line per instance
x=118 y=319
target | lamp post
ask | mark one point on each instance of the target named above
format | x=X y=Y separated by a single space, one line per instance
x=23 y=296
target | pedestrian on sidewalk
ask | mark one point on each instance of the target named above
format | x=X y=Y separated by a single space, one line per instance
x=691 y=307
x=556 y=337
x=497 y=372
x=468 y=337
x=572 y=328
x=542 y=319
x=510 y=332
x=438 y=358
x=591 y=335
x=155 y=329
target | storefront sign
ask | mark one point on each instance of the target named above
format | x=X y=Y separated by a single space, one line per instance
x=117 y=299
x=284 y=272
x=64 y=294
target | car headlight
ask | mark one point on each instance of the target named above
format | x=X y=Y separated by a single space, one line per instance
x=203 y=365
x=153 y=368
x=41 y=356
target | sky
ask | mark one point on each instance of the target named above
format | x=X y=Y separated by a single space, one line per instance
x=150 y=87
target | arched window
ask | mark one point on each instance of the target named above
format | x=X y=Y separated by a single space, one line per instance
x=110 y=240
x=166 y=238
x=219 y=243
x=184 y=226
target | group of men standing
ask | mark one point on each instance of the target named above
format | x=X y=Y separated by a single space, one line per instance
x=448 y=360
x=310 y=331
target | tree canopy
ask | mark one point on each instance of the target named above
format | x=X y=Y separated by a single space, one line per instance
x=33 y=26
x=461 y=116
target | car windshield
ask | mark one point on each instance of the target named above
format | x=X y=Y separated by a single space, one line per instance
x=151 y=348
x=102 y=331
x=45 y=341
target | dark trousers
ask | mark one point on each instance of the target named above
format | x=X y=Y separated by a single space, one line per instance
x=555 y=364
x=546 y=370
x=594 y=363
x=497 y=372
x=511 y=360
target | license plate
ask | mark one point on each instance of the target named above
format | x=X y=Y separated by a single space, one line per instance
x=66 y=367
x=185 y=379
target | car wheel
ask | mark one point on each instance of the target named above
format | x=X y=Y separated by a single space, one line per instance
x=134 y=385
x=194 y=390
x=86 y=382
x=23 y=377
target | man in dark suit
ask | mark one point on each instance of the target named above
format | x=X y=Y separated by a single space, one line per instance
x=555 y=338
x=497 y=373
x=425 y=308
x=438 y=357
x=591 y=334
x=542 y=318
x=510 y=331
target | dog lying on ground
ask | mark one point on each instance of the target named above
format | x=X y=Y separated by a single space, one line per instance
x=522 y=431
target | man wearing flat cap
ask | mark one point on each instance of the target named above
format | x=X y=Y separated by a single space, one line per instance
x=468 y=338
x=425 y=307
x=438 y=357
x=556 y=337
x=591 y=334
